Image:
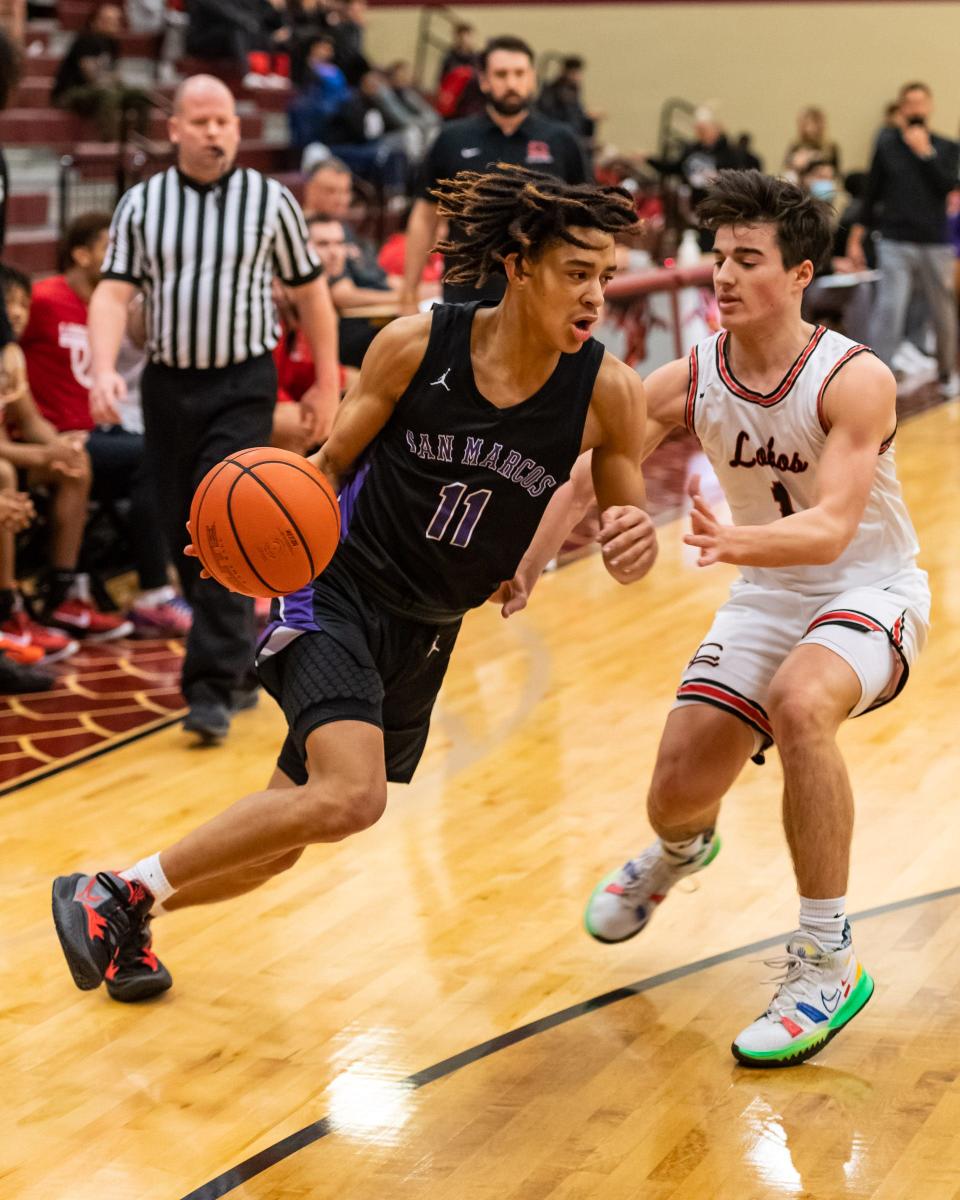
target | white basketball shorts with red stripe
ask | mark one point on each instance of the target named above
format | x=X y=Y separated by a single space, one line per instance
x=879 y=630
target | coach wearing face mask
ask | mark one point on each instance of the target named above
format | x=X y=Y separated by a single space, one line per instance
x=509 y=132
x=204 y=240
x=912 y=173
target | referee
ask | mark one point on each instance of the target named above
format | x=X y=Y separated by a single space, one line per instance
x=509 y=132
x=203 y=240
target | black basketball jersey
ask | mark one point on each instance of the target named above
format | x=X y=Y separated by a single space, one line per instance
x=446 y=500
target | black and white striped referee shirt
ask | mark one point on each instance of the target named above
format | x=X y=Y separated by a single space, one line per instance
x=205 y=256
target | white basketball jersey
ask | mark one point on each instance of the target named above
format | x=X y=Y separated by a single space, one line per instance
x=766 y=452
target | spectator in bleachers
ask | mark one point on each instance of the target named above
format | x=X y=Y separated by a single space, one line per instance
x=17 y=674
x=912 y=173
x=508 y=131
x=56 y=460
x=562 y=100
x=356 y=331
x=307 y=21
x=462 y=52
x=57 y=351
x=9 y=78
x=367 y=132
x=812 y=145
x=348 y=22
x=399 y=76
x=700 y=161
x=323 y=89
x=87 y=82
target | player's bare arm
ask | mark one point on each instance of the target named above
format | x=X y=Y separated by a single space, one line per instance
x=388 y=367
x=627 y=536
x=106 y=323
x=860 y=412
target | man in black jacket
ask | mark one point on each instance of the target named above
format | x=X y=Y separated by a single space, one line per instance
x=912 y=173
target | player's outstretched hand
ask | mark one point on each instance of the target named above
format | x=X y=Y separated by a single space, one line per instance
x=708 y=535
x=628 y=541
x=190 y=551
x=512 y=596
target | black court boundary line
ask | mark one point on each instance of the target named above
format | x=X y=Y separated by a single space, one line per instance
x=96 y=752
x=288 y=1146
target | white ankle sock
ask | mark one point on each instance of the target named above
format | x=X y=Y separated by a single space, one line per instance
x=682 y=852
x=825 y=919
x=155 y=596
x=149 y=872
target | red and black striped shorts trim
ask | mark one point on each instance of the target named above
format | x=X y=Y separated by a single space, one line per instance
x=851 y=618
x=692 y=390
x=721 y=695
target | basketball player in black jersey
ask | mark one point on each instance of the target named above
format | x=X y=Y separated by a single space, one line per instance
x=446 y=452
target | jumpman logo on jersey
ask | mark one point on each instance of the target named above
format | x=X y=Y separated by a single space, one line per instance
x=435 y=648
x=442 y=381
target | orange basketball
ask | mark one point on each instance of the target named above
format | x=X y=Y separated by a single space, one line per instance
x=264 y=522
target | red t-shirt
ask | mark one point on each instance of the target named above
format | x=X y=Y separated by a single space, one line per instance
x=57 y=350
x=295 y=370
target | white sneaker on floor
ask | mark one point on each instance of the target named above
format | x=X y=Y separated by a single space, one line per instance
x=950 y=387
x=623 y=902
x=820 y=991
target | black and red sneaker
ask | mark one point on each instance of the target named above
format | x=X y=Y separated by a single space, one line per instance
x=94 y=916
x=135 y=972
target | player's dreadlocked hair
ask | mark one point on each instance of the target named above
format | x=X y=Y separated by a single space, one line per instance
x=511 y=210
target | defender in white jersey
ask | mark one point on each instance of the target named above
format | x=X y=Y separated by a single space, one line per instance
x=828 y=616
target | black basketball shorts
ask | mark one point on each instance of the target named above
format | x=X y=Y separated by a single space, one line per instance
x=333 y=654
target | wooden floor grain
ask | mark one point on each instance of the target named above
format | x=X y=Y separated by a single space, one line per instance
x=457 y=918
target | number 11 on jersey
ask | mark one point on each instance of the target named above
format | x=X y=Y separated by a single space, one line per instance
x=473 y=506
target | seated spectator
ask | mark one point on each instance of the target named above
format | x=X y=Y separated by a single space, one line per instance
x=365 y=137
x=57 y=461
x=57 y=352
x=812 y=145
x=307 y=21
x=17 y=675
x=323 y=91
x=87 y=82
x=348 y=26
x=462 y=52
x=561 y=99
x=356 y=332
x=699 y=161
x=329 y=189
x=399 y=77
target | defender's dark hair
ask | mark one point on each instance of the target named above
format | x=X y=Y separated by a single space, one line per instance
x=10 y=65
x=82 y=231
x=511 y=210
x=804 y=225
x=506 y=42
x=10 y=277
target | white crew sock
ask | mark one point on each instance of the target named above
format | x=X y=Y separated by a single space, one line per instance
x=683 y=852
x=825 y=919
x=155 y=596
x=149 y=872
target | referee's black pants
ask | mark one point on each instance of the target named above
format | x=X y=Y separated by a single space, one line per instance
x=193 y=419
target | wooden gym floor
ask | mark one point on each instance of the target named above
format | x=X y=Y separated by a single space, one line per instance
x=418 y=1013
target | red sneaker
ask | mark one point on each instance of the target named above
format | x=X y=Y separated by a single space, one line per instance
x=20 y=630
x=20 y=651
x=85 y=621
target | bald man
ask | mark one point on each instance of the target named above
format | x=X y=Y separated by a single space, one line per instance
x=204 y=240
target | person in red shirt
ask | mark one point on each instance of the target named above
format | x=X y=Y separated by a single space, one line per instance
x=57 y=351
